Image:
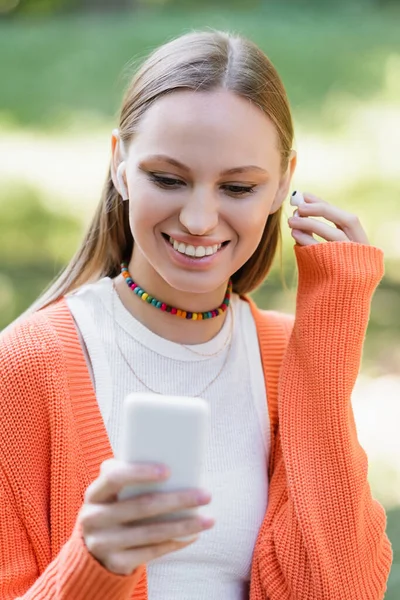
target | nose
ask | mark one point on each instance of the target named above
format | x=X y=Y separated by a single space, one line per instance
x=199 y=215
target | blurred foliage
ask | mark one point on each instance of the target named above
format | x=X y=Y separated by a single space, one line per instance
x=393 y=529
x=35 y=243
x=51 y=7
x=67 y=67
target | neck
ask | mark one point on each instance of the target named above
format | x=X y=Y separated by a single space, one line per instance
x=168 y=326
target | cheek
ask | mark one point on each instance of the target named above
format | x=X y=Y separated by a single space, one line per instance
x=147 y=207
x=250 y=222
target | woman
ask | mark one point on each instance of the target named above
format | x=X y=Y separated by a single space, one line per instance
x=201 y=164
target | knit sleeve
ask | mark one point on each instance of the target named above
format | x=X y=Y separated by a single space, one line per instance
x=28 y=569
x=73 y=575
x=328 y=532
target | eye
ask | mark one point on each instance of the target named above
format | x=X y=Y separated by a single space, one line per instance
x=239 y=190
x=165 y=182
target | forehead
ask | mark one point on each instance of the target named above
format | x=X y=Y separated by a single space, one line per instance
x=207 y=127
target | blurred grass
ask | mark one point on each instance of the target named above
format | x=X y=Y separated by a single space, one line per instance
x=57 y=69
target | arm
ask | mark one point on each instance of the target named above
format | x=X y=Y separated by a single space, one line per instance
x=73 y=574
x=329 y=534
x=28 y=567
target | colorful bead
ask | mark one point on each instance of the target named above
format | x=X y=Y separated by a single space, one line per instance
x=210 y=314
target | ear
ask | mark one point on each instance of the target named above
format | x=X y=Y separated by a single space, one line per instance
x=284 y=184
x=118 y=167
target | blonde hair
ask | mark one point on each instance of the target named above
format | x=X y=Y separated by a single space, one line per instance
x=195 y=61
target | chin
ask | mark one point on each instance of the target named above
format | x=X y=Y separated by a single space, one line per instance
x=195 y=283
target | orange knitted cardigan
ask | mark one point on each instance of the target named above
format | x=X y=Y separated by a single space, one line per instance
x=323 y=536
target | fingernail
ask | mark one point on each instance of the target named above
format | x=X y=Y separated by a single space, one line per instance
x=207 y=521
x=203 y=496
x=162 y=471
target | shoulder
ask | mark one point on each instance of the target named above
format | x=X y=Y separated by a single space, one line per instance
x=32 y=366
x=28 y=342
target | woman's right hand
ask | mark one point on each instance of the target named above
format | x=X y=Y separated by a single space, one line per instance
x=109 y=526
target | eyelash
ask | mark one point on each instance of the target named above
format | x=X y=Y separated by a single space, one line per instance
x=170 y=183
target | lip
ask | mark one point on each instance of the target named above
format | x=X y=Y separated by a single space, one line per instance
x=198 y=241
x=187 y=261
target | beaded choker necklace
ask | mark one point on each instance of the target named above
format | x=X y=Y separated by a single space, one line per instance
x=179 y=312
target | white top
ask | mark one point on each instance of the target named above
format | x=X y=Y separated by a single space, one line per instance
x=216 y=566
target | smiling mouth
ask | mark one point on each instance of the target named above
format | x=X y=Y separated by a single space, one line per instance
x=194 y=251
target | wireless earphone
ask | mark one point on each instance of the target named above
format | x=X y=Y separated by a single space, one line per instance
x=121 y=182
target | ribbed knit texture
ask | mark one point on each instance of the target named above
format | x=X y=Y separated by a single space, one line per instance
x=323 y=536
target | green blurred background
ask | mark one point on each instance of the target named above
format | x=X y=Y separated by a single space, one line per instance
x=63 y=67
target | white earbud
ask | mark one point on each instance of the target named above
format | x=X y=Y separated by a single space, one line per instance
x=296 y=198
x=121 y=182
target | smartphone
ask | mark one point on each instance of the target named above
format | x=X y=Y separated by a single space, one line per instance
x=171 y=430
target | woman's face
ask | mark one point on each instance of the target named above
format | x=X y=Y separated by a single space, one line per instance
x=203 y=173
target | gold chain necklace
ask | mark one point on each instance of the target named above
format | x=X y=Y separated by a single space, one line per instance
x=115 y=293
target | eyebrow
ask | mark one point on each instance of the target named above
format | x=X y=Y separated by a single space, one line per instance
x=176 y=163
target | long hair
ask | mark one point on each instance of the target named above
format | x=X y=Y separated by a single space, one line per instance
x=194 y=61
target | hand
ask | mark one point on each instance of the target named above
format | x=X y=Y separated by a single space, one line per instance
x=110 y=526
x=347 y=226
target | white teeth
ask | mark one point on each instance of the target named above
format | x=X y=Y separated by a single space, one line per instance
x=190 y=250
x=200 y=251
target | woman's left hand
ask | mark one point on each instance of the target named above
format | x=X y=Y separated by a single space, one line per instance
x=346 y=226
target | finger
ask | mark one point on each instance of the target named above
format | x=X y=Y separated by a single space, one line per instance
x=125 y=538
x=343 y=220
x=312 y=226
x=103 y=516
x=115 y=475
x=303 y=239
x=158 y=533
x=312 y=198
x=121 y=562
